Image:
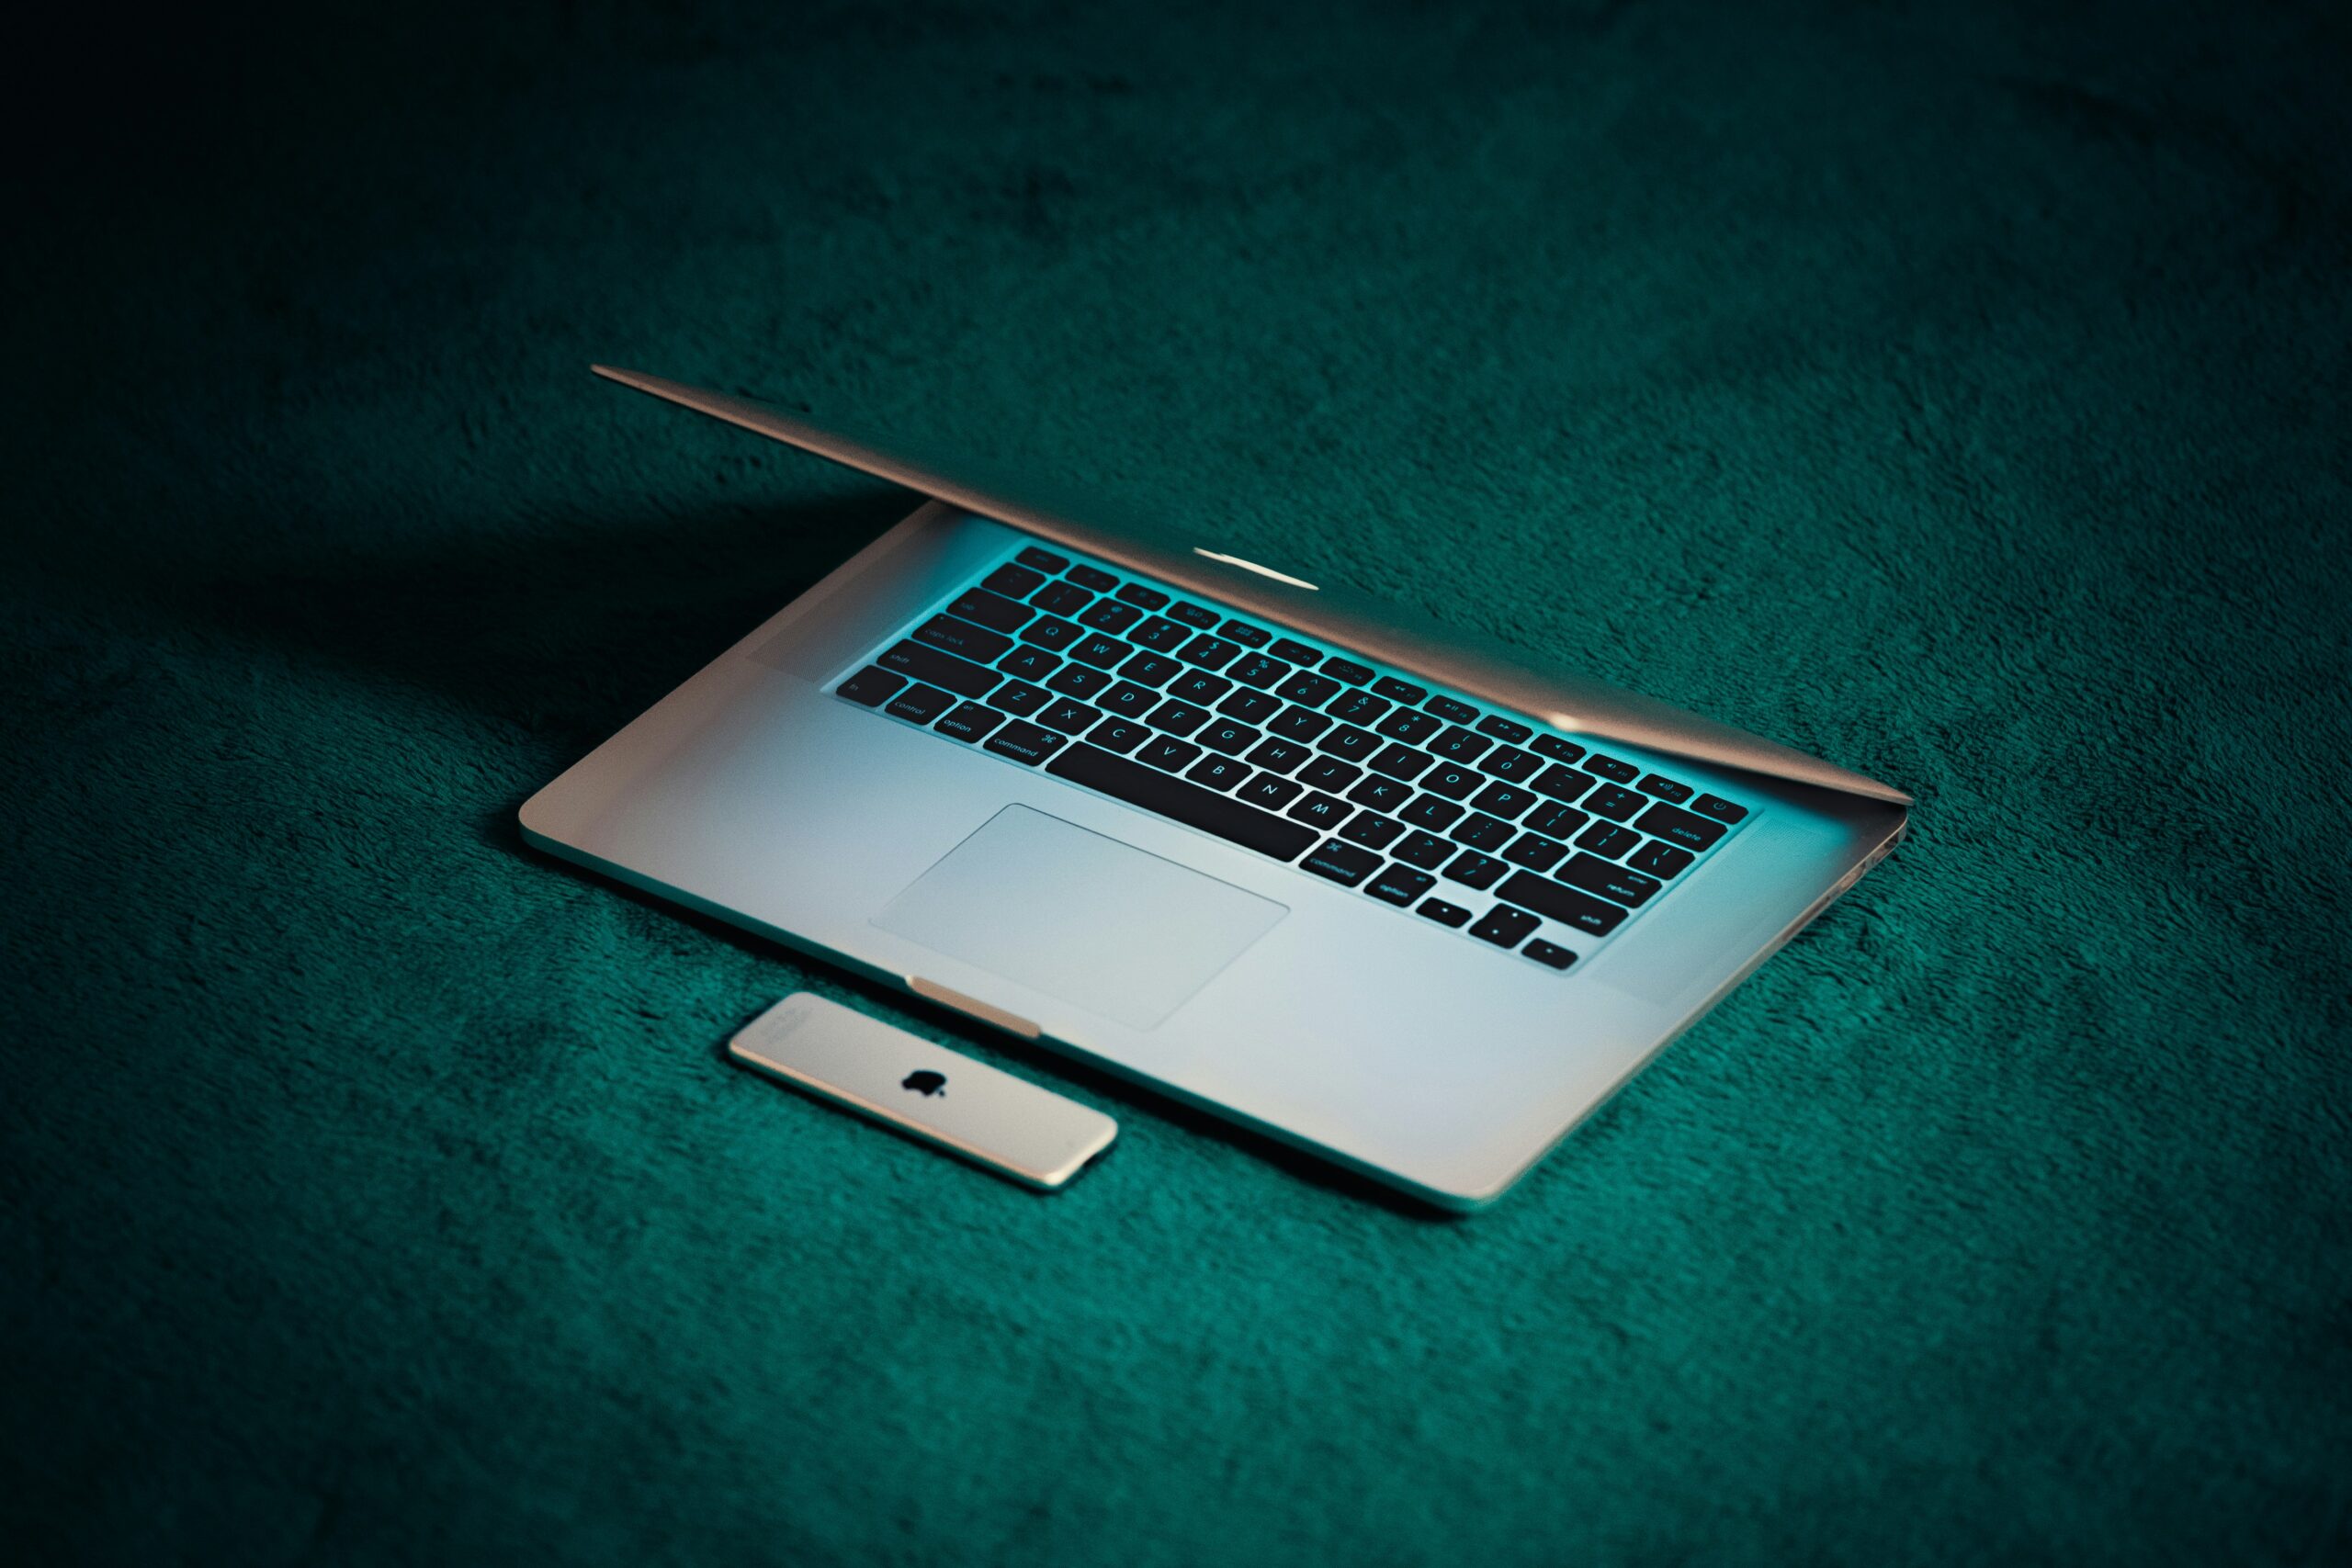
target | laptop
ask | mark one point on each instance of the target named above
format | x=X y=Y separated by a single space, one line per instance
x=1218 y=825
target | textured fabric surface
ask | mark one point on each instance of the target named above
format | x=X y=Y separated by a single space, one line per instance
x=1961 y=394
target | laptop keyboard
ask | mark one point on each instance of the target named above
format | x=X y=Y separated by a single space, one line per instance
x=1474 y=820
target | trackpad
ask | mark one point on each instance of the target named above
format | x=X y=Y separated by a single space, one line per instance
x=1078 y=915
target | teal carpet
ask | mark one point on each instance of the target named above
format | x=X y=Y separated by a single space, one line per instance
x=1959 y=393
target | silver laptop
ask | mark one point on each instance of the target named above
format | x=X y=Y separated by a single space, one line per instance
x=1218 y=825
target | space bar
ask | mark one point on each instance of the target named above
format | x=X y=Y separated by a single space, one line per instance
x=1187 y=803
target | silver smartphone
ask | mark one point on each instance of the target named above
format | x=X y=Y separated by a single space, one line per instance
x=925 y=1090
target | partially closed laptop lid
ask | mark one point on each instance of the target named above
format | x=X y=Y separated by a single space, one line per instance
x=1331 y=611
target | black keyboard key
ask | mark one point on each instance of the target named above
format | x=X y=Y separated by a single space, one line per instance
x=1129 y=700
x=1617 y=803
x=1410 y=728
x=1061 y=598
x=1217 y=773
x=1482 y=832
x=1506 y=801
x=1512 y=765
x=1019 y=697
x=1143 y=598
x=1150 y=669
x=1209 y=652
x=1346 y=670
x=1402 y=762
x=1452 y=781
x=1612 y=768
x=1550 y=952
x=1029 y=663
x=1259 y=671
x=1092 y=578
x=1168 y=752
x=1356 y=705
x=1199 y=686
x=1566 y=905
x=1178 y=718
x=960 y=676
x=1329 y=773
x=1553 y=820
x=1458 y=745
x=1679 y=827
x=1160 y=635
x=1251 y=707
x=1043 y=560
x=1665 y=788
x=1125 y=779
x=1245 y=634
x=1281 y=756
x=1558 y=749
x=1451 y=711
x=1433 y=812
x=1349 y=743
x=1380 y=794
x=1308 y=689
x=1474 y=870
x=1025 y=742
x=963 y=638
x=969 y=721
x=1505 y=927
x=1562 y=784
x=1193 y=615
x=872 y=686
x=1534 y=852
x=1270 y=790
x=1505 y=729
x=1300 y=724
x=1117 y=735
x=1593 y=874
x=1013 y=582
x=1446 y=914
x=1324 y=811
x=1052 y=633
x=1295 y=650
x=1424 y=850
x=1400 y=885
x=993 y=611
x=919 y=705
x=1079 y=680
x=1398 y=690
x=1372 y=830
x=1343 y=863
x=1716 y=806
x=1110 y=616
x=1069 y=716
x=1654 y=859
x=1101 y=651
x=1223 y=735
x=1608 y=839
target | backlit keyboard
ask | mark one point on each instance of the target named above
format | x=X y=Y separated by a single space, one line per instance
x=1476 y=820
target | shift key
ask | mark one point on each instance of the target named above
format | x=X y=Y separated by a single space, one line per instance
x=928 y=664
x=1566 y=905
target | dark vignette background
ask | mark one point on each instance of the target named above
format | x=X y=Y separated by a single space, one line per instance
x=1961 y=392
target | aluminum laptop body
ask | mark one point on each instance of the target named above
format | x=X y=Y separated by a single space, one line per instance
x=1255 y=909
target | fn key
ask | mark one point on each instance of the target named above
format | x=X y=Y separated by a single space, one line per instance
x=872 y=686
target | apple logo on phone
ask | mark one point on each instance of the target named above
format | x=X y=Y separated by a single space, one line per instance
x=926 y=1082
